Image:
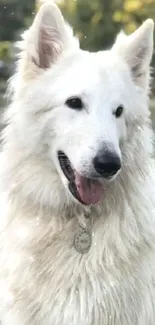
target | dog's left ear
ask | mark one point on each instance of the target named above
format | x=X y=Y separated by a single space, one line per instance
x=136 y=49
x=46 y=40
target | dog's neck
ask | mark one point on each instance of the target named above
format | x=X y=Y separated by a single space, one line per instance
x=36 y=192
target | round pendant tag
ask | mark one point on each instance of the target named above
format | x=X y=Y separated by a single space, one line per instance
x=82 y=241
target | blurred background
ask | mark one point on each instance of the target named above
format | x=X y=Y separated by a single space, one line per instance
x=96 y=22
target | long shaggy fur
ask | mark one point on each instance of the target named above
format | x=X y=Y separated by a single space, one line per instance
x=43 y=279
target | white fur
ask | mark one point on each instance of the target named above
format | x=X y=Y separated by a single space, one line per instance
x=43 y=279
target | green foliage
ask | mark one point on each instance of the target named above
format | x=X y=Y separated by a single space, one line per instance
x=13 y=16
x=5 y=50
x=97 y=22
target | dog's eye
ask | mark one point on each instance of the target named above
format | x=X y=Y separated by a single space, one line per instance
x=119 y=111
x=75 y=103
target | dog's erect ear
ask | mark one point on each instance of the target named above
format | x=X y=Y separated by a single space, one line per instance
x=50 y=34
x=47 y=38
x=137 y=49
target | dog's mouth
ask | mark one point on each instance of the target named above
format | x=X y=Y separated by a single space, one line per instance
x=86 y=191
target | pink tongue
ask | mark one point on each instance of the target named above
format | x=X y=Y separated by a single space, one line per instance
x=90 y=191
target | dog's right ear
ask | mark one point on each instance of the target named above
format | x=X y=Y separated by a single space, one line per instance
x=45 y=41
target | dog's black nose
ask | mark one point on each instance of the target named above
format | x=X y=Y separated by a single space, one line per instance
x=107 y=164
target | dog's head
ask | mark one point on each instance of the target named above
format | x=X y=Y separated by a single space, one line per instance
x=76 y=105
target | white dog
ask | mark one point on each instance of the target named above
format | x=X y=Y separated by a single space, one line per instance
x=77 y=194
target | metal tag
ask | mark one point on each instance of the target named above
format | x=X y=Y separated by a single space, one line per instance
x=83 y=241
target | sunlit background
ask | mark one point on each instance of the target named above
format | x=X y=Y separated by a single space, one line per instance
x=96 y=22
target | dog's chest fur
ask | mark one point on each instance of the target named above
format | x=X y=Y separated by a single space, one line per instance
x=111 y=284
